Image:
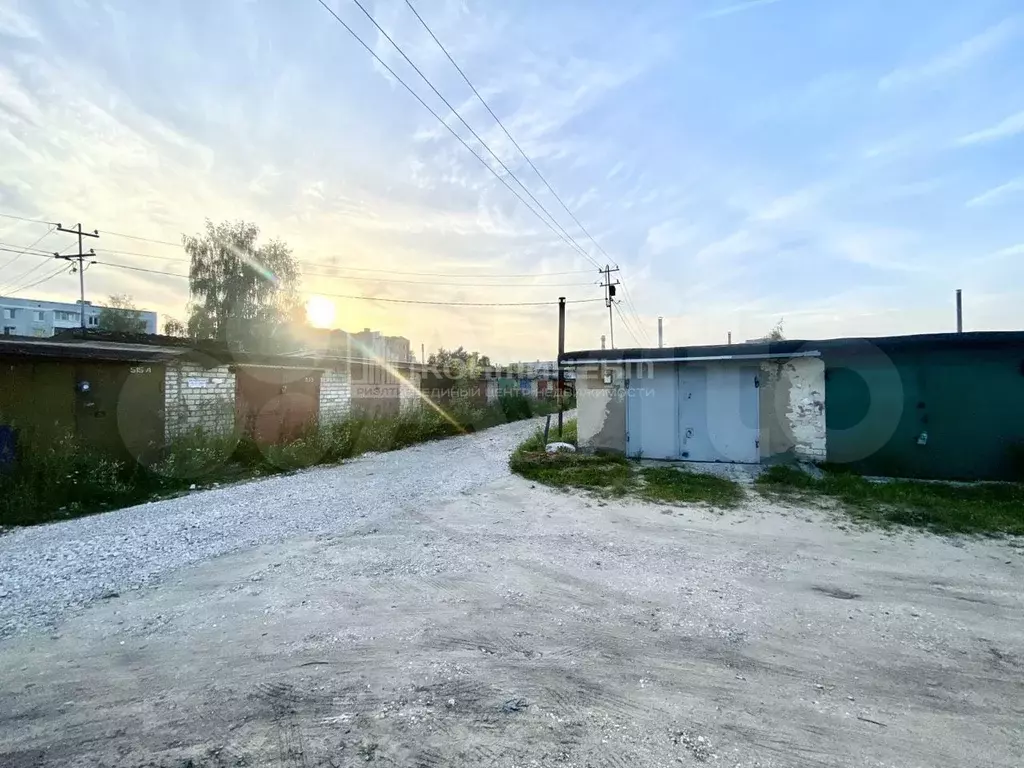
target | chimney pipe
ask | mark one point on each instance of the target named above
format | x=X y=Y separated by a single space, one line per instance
x=602 y=341
x=730 y=338
x=660 y=336
x=959 y=312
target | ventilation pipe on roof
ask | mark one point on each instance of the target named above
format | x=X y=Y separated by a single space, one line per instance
x=661 y=342
x=959 y=312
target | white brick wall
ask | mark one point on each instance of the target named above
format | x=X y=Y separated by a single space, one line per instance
x=409 y=395
x=198 y=397
x=335 y=396
x=793 y=408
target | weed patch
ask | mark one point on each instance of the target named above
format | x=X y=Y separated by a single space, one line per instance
x=989 y=508
x=614 y=476
x=675 y=486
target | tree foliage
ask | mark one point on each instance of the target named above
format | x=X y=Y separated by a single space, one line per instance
x=776 y=333
x=241 y=293
x=121 y=315
x=459 y=362
x=174 y=327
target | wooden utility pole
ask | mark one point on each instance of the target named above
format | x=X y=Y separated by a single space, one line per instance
x=609 y=298
x=561 y=354
x=81 y=256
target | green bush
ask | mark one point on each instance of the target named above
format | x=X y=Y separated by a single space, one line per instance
x=516 y=406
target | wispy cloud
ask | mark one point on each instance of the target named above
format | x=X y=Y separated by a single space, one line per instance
x=729 y=10
x=995 y=194
x=957 y=58
x=1004 y=129
x=1013 y=250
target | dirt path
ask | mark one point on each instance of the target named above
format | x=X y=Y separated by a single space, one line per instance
x=514 y=626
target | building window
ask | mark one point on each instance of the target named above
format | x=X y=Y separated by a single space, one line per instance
x=40 y=316
x=10 y=330
x=66 y=316
x=94 y=320
x=10 y=314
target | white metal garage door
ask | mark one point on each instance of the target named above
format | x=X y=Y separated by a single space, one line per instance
x=695 y=412
x=651 y=413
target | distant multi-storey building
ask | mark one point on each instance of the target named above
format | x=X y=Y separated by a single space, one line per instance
x=366 y=344
x=33 y=317
x=374 y=344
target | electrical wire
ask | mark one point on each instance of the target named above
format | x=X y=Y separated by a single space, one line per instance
x=25 y=218
x=27 y=248
x=392 y=272
x=62 y=268
x=636 y=315
x=626 y=324
x=526 y=157
x=324 y=265
x=373 y=298
x=505 y=130
x=30 y=270
x=476 y=136
x=454 y=133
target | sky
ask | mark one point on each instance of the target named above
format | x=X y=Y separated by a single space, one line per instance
x=841 y=166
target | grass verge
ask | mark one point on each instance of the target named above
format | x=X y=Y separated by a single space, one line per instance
x=614 y=476
x=66 y=479
x=671 y=485
x=987 y=508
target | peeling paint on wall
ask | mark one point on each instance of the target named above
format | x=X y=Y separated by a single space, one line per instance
x=792 y=403
x=601 y=409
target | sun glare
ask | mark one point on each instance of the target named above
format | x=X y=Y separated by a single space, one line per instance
x=320 y=312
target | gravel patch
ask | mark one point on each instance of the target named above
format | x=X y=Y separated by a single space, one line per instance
x=49 y=571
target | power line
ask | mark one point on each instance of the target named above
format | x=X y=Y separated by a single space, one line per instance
x=625 y=324
x=636 y=315
x=453 y=132
x=302 y=262
x=522 y=152
x=394 y=272
x=32 y=247
x=25 y=218
x=476 y=136
x=373 y=298
x=506 y=131
x=143 y=239
x=38 y=282
x=30 y=270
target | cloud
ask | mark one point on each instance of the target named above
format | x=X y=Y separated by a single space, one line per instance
x=14 y=24
x=996 y=193
x=729 y=10
x=955 y=59
x=1013 y=250
x=1004 y=129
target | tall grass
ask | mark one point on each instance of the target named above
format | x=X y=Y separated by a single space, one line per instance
x=66 y=479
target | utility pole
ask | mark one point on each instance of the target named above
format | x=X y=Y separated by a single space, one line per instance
x=81 y=255
x=609 y=298
x=561 y=354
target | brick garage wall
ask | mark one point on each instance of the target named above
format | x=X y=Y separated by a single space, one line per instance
x=335 y=396
x=792 y=405
x=198 y=397
x=409 y=396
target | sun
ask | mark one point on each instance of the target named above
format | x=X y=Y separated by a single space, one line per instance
x=320 y=312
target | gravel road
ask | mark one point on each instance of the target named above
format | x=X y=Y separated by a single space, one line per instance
x=47 y=572
x=514 y=626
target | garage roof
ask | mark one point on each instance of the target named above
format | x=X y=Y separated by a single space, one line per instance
x=800 y=347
